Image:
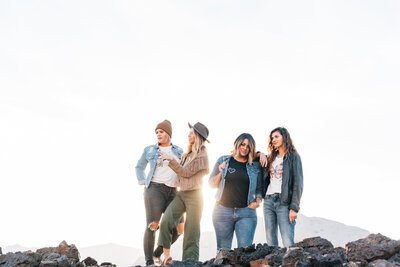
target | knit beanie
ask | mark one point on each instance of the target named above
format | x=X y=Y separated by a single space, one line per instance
x=166 y=126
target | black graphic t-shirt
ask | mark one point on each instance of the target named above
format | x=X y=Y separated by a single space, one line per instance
x=236 y=187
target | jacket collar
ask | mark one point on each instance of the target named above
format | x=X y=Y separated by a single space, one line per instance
x=157 y=146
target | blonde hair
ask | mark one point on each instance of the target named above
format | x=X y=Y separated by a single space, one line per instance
x=194 y=149
x=252 y=146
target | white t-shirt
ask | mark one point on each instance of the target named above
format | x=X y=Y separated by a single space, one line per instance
x=275 y=185
x=164 y=174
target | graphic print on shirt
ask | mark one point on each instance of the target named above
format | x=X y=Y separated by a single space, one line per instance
x=231 y=170
x=277 y=171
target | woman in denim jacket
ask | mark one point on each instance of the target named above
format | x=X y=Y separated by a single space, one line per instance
x=283 y=186
x=160 y=187
x=239 y=182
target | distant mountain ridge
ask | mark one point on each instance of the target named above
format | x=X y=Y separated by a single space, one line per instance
x=338 y=233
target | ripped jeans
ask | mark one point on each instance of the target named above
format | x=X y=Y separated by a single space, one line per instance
x=156 y=200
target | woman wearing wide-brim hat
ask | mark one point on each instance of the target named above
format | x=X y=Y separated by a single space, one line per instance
x=193 y=167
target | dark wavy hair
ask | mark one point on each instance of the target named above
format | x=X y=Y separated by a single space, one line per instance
x=287 y=144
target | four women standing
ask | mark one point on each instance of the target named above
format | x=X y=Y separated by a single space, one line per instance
x=241 y=188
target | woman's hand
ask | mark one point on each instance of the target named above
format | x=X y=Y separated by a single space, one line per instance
x=292 y=216
x=221 y=166
x=253 y=205
x=263 y=160
x=163 y=156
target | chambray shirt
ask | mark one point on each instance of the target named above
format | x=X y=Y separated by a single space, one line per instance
x=150 y=156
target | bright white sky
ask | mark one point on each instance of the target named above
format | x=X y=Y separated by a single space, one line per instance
x=84 y=83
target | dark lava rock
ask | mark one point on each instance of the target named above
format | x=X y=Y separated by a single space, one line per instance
x=27 y=258
x=69 y=251
x=62 y=256
x=314 y=242
x=186 y=263
x=89 y=262
x=274 y=259
x=381 y=263
x=107 y=264
x=315 y=251
x=294 y=257
x=54 y=260
x=243 y=256
x=371 y=248
x=395 y=259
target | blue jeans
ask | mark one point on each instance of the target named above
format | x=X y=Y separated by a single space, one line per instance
x=242 y=221
x=276 y=214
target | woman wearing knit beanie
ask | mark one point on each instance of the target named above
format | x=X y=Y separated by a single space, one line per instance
x=160 y=186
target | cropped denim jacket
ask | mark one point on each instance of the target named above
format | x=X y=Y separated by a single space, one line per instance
x=150 y=155
x=255 y=176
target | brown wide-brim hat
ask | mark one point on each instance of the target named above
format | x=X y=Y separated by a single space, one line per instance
x=201 y=129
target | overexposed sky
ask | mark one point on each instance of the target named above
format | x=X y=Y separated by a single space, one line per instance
x=84 y=83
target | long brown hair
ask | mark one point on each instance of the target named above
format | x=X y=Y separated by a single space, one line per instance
x=287 y=144
x=194 y=149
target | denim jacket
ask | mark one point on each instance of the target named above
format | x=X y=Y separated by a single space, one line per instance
x=150 y=155
x=292 y=181
x=255 y=177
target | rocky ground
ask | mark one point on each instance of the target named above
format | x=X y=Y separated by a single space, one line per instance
x=375 y=250
x=62 y=256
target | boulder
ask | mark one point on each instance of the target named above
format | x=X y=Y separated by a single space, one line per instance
x=371 y=248
x=27 y=258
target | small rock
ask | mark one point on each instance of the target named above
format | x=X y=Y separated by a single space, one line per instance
x=294 y=257
x=107 y=264
x=259 y=263
x=355 y=264
x=381 y=263
x=395 y=259
x=89 y=261
x=315 y=242
x=222 y=255
x=48 y=263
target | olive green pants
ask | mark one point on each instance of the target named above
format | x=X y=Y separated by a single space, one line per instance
x=190 y=202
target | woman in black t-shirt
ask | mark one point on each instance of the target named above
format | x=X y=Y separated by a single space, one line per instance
x=239 y=182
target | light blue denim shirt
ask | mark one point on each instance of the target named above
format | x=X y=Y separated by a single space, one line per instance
x=150 y=156
x=255 y=177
